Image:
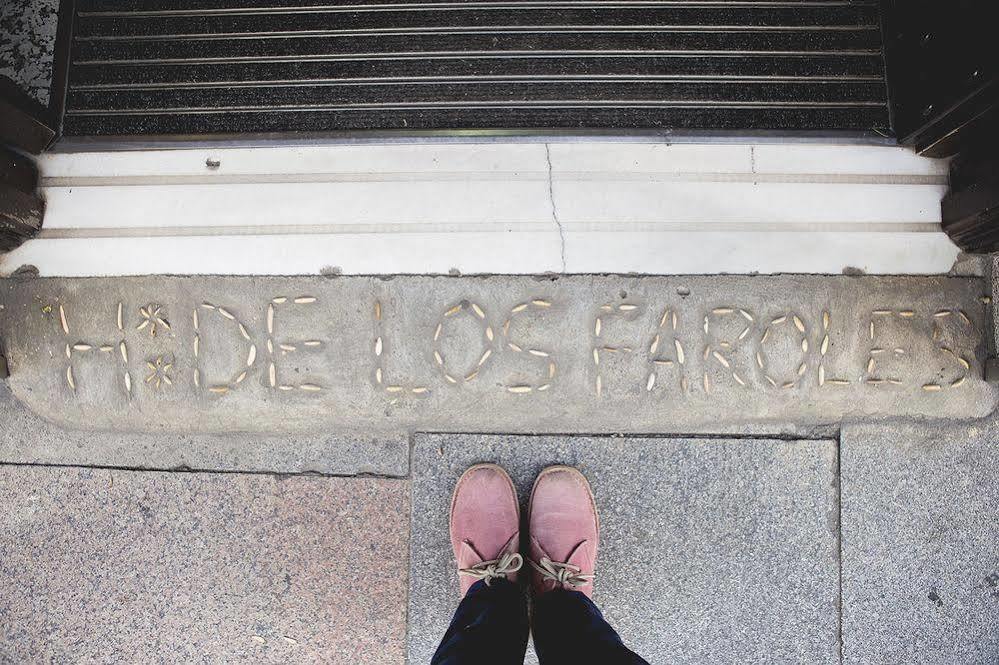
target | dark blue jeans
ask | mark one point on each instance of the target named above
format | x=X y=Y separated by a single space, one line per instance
x=490 y=627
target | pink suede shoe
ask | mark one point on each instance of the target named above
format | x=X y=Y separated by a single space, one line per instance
x=565 y=531
x=485 y=526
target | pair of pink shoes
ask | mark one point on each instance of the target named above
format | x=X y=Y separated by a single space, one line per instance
x=562 y=523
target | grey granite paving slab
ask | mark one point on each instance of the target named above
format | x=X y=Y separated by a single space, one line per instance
x=523 y=354
x=712 y=550
x=26 y=438
x=142 y=567
x=920 y=543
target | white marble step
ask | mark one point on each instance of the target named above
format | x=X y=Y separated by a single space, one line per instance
x=491 y=208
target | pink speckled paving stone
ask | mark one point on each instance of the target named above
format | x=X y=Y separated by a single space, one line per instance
x=102 y=565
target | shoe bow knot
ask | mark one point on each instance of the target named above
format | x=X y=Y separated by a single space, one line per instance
x=490 y=570
x=564 y=574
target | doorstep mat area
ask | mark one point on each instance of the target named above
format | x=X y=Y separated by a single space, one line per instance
x=162 y=67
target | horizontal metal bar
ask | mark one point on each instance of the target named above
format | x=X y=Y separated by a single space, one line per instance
x=117 y=142
x=474 y=30
x=471 y=6
x=720 y=68
x=307 y=48
x=504 y=176
x=495 y=227
x=475 y=54
x=492 y=124
x=433 y=80
x=528 y=88
x=526 y=104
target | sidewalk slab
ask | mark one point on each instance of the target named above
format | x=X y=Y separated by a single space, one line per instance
x=712 y=550
x=102 y=566
x=526 y=354
x=920 y=543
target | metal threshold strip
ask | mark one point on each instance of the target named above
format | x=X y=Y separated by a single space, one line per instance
x=474 y=30
x=404 y=55
x=464 y=6
x=436 y=80
x=547 y=104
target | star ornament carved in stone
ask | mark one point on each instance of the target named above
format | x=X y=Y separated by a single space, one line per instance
x=152 y=316
x=159 y=372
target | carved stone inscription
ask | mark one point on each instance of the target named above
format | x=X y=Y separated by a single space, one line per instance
x=524 y=354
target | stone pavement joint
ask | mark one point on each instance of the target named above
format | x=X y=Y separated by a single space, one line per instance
x=187 y=469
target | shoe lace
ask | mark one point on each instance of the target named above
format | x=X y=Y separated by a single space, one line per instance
x=565 y=574
x=490 y=570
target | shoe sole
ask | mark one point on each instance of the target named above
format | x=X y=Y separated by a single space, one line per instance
x=586 y=483
x=457 y=485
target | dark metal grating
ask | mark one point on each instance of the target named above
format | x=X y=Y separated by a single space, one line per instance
x=177 y=67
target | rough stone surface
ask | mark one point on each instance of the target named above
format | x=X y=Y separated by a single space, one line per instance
x=27 y=44
x=521 y=354
x=712 y=550
x=110 y=566
x=991 y=309
x=920 y=528
x=25 y=438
